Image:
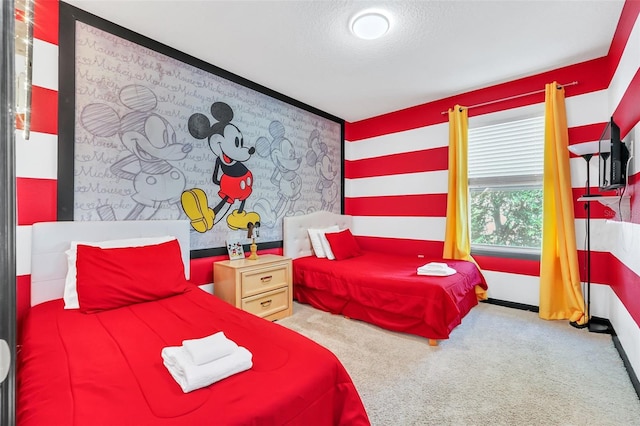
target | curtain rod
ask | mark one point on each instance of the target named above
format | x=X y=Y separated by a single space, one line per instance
x=573 y=83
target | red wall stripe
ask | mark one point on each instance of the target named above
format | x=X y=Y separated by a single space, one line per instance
x=44 y=110
x=23 y=300
x=586 y=133
x=512 y=266
x=625 y=283
x=36 y=200
x=429 y=249
x=601 y=266
x=627 y=114
x=394 y=164
x=202 y=269
x=628 y=17
x=419 y=205
x=591 y=76
x=45 y=18
x=598 y=210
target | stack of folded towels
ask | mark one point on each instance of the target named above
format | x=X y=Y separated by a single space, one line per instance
x=201 y=362
x=437 y=269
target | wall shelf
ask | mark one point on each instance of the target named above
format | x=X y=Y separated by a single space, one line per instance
x=612 y=202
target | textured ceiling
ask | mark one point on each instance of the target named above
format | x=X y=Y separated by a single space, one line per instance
x=435 y=49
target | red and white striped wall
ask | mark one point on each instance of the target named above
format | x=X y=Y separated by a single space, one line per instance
x=396 y=172
x=396 y=178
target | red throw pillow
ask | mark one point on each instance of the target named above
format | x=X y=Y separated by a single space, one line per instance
x=115 y=277
x=343 y=244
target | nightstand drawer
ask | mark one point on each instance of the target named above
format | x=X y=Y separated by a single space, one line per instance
x=264 y=279
x=269 y=303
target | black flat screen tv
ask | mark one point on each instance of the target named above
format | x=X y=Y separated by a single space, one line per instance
x=613 y=155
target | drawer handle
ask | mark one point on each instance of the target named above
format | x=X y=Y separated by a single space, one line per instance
x=266 y=303
x=265 y=279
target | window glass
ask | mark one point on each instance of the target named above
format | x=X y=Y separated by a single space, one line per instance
x=505 y=184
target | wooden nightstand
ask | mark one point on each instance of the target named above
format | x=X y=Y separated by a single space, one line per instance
x=261 y=286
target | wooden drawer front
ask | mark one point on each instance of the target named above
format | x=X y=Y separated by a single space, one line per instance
x=261 y=280
x=268 y=303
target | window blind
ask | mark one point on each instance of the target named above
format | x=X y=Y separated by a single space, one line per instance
x=508 y=153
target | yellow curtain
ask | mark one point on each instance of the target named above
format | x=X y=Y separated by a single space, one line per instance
x=560 y=292
x=457 y=241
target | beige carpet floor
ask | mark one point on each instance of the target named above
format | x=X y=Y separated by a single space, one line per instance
x=501 y=366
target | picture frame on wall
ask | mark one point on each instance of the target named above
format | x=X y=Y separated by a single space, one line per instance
x=112 y=107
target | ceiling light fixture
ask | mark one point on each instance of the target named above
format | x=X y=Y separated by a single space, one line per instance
x=370 y=25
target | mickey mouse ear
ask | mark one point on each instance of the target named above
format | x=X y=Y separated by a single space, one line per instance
x=199 y=126
x=276 y=129
x=222 y=112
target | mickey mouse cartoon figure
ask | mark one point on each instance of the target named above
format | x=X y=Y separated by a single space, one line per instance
x=327 y=172
x=285 y=177
x=230 y=174
x=151 y=144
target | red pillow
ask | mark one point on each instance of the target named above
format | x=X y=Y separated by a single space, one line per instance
x=343 y=244
x=115 y=277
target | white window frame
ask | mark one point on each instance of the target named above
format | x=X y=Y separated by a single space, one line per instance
x=505 y=117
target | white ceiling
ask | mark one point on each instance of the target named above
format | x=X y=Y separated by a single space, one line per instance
x=435 y=49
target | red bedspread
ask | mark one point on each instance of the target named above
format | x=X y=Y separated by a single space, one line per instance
x=386 y=290
x=106 y=369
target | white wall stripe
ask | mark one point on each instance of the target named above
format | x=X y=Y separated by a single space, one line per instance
x=513 y=287
x=587 y=109
x=627 y=330
x=414 y=228
x=578 y=167
x=44 y=56
x=23 y=250
x=627 y=67
x=37 y=157
x=419 y=139
x=404 y=184
x=527 y=111
x=624 y=243
x=601 y=236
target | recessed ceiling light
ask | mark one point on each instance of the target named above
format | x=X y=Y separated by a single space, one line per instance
x=370 y=25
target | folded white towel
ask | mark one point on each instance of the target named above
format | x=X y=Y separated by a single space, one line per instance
x=436 y=269
x=209 y=348
x=191 y=377
x=437 y=272
x=435 y=265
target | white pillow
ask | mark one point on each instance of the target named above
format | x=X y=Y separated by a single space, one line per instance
x=318 y=240
x=70 y=291
x=325 y=243
x=316 y=243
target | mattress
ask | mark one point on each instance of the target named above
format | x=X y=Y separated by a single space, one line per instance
x=105 y=369
x=386 y=290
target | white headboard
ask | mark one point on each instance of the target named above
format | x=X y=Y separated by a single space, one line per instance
x=49 y=241
x=295 y=238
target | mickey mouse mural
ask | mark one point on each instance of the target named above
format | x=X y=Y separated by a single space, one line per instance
x=230 y=174
x=151 y=145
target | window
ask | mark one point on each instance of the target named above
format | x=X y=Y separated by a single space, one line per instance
x=505 y=184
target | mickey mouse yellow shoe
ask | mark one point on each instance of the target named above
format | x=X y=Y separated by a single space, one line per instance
x=195 y=205
x=240 y=220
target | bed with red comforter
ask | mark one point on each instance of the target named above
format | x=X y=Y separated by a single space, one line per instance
x=101 y=363
x=385 y=290
x=382 y=289
x=105 y=369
